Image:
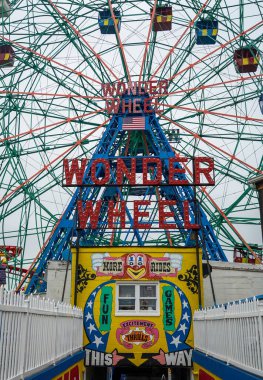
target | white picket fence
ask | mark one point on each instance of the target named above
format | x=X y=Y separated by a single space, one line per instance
x=35 y=333
x=232 y=333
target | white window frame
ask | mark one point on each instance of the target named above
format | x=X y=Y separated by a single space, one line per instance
x=137 y=310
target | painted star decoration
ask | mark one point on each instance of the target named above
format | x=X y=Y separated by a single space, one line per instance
x=90 y=303
x=91 y=328
x=96 y=338
x=97 y=341
x=88 y=316
x=182 y=328
x=176 y=341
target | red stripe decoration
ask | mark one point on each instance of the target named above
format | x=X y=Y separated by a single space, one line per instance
x=133 y=123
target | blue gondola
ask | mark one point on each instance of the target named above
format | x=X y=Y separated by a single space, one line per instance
x=261 y=103
x=2 y=274
x=206 y=32
x=106 y=22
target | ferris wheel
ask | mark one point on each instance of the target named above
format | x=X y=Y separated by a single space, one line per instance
x=54 y=58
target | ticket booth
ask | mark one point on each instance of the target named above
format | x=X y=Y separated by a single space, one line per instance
x=138 y=304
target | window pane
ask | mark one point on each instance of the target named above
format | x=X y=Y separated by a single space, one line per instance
x=148 y=291
x=146 y=304
x=126 y=291
x=125 y=304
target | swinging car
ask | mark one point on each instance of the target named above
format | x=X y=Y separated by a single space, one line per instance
x=261 y=103
x=243 y=255
x=206 y=32
x=5 y=8
x=246 y=60
x=106 y=22
x=7 y=56
x=7 y=252
x=162 y=19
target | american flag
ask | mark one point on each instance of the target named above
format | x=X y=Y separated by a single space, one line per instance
x=134 y=123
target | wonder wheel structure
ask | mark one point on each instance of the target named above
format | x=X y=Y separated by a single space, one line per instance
x=54 y=58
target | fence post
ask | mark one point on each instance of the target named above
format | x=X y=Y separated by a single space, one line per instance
x=27 y=302
x=72 y=335
x=55 y=335
x=226 y=346
x=260 y=328
x=2 y=292
x=206 y=335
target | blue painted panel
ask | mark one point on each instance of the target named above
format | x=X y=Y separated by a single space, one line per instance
x=55 y=370
x=221 y=369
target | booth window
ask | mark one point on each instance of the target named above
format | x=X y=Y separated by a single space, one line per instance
x=137 y=298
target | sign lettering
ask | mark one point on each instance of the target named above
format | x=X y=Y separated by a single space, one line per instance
x=106 y=307
x=100 y=171
x=136 y=266
x=181 y=358
x=135 y=332
x=137 y=103
x=168 y=308
x=96 y=358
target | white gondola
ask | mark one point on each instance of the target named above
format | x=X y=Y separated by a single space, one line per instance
x=5 y=8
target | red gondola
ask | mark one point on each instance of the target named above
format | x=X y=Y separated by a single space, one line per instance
x=162 y=19
x=10 y=251
x=7 y=56
x=7 y=252
x=246 y=60
x=243 y=255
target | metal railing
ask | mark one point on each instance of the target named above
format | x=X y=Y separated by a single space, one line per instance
x=35 y=333
x=232 y=333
